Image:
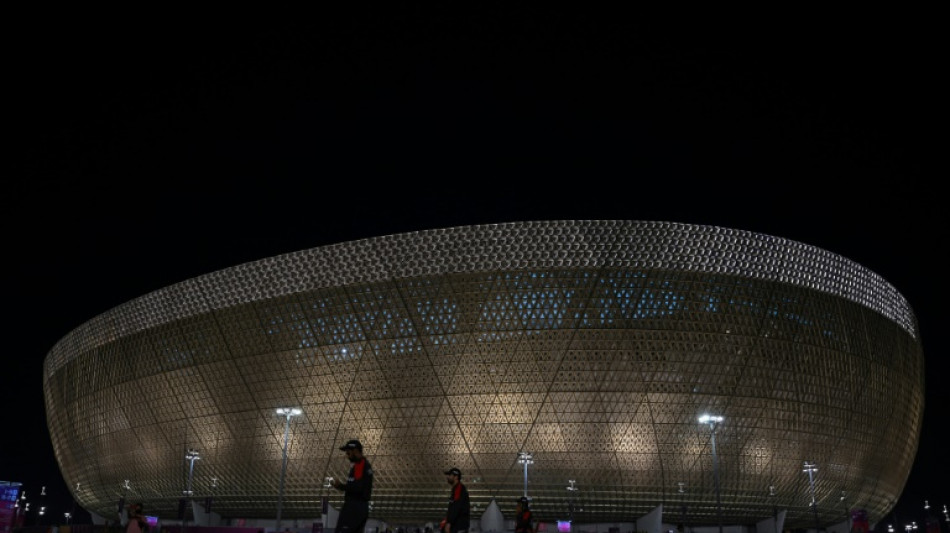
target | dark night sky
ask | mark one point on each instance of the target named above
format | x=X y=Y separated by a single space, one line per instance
x=146 y=154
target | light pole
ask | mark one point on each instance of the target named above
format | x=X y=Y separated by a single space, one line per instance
x=571 y=488
x=682 y=491
x=22 y=507
x=713 y=422
x=42 y=511
x=192 y=455
x=525 y=459
x=774 y=508
x=122 y=499
x=847 y=512
x=811 y=468
x=288 y=412
x=68 y=516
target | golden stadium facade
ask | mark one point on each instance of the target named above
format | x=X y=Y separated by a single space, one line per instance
x=592 y=345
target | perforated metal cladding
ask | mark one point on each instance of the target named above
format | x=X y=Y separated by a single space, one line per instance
x=593 y=345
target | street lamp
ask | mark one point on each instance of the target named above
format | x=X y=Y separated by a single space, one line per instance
x=288 y=412
x=192 y=455
x=525 y=459
x=572 y=488
x=42 y=511
x=774 y=508
x=847 y=512
x=68 y=516
x=713 y=422
x=682 y=492
x=20 y=504
x=811 y=468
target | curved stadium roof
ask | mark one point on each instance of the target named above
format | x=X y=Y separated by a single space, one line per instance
x=593 y=345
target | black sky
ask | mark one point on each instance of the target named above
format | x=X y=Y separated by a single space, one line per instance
x=146 y=153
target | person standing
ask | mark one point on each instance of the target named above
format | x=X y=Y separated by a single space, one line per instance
x=137 y=522
x=457 y=517
x=523 y=517
x=356 y=491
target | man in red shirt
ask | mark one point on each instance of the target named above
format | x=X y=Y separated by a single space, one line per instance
x=457 y=516
x=356 y=491
x=523 y=517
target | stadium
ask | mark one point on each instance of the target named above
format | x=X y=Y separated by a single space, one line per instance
x=568 y=360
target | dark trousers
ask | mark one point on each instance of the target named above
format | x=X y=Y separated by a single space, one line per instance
x=350 y=522
x=351 y=528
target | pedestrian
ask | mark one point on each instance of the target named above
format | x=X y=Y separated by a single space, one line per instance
x=137 y=522
x=356 y=491
x=523 y=517
x=457 y=517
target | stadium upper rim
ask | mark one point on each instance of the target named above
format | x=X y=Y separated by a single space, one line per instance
x=504 y=246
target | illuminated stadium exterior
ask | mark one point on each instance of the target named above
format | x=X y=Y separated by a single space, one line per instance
x=593 y=345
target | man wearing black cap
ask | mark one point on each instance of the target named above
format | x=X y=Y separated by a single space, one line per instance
x=457 y=517
x=523 y=517
x=356 y=491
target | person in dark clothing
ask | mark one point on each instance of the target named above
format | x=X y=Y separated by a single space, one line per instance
x=137 y=521
x=457 y=517
x=356 y=491
x=523 y=517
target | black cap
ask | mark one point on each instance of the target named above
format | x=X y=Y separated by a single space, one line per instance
x=523 y=501
x=352 y=445
x=454 y=472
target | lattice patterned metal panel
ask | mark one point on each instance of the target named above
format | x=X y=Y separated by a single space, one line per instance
x=593 y=345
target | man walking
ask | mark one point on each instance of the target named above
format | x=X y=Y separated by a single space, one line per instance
x=457 y=517
x=523 y=517
x=356 y=491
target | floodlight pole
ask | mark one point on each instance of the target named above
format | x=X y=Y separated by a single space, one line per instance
x=847 y=512
x=42 y=511
x=191 y=456
x=714 y=422
x=811 y=468
x=682 y=491
x=22 y=506
x=287 y=412
x=774 y=508
x=526 y=459
x=572 y=488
